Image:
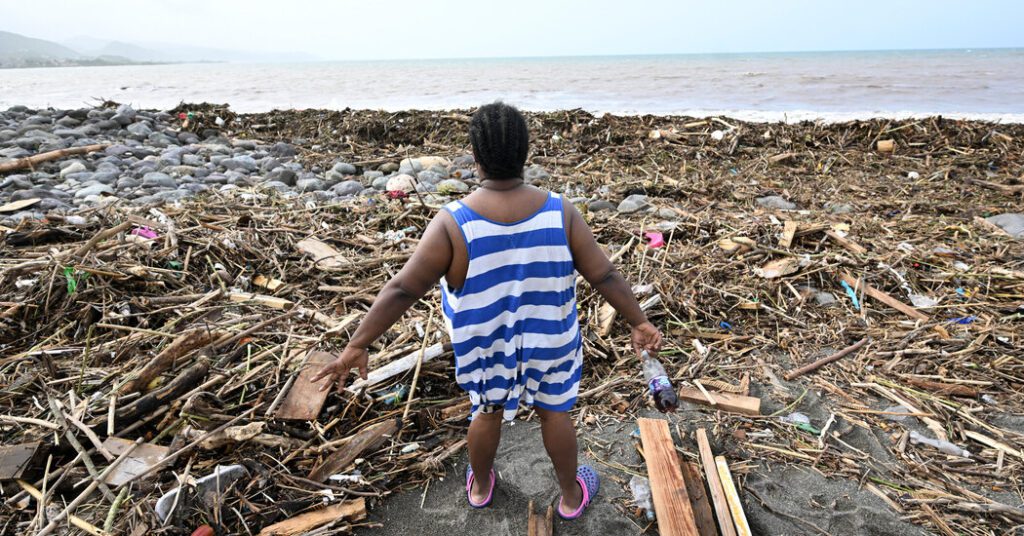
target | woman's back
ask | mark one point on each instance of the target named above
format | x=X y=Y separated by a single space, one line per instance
x=512 y=316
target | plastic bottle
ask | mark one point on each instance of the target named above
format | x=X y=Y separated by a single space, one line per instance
x=641 y=489
x=665 y=398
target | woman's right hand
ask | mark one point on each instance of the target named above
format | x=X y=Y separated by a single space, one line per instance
x=645 y=337
x=350 y=358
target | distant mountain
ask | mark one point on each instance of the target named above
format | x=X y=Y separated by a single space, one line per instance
x=172 y=52
x=20 y=51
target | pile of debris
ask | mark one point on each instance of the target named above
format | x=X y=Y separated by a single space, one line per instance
x=833 y=300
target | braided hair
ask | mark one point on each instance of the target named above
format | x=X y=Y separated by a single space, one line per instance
x=500 y=140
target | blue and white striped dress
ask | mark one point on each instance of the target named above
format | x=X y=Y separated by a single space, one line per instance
x=513 y=323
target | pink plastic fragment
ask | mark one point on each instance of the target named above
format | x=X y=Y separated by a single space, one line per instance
x=145 y=232
x=654 y=239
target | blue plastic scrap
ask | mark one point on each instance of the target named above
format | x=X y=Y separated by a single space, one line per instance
x=725 y=325
x=963 y=320
x=852 y=294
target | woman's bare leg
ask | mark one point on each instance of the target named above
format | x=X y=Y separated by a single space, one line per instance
x=484 y=435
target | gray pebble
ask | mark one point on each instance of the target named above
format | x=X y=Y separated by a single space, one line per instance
x=775 y=202
x=1009 y=222
x=634 y=203
x=452 y=186
x=347 y=188
x=94 y=189
x=282 y=175
x=309 y=185
x=601 y=205
x=158 y=179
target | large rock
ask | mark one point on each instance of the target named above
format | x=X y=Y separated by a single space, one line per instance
x=1009 y=222
x=140 y=130
x=634 y=203
x=451 y=186
x=74 y=167
x=775 y=202
x=283 y=175
x=94 y=189
x=401 y=183
x=282 y=150
x=347 y=188
x=310 y=185
x=156 y=179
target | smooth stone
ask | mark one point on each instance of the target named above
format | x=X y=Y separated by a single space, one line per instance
x=139 y=130
x=430 y=177
x=283 y=175
x=41 y=193
x=380 y=183
x=275 y=185
x=372 y=175
x=68 y=133
x=633 y=203
x=95 y=189
x=188 y=137
x=269 y=164
x=19 y=182
x=74 y=167
x=825 y=299
x=216 y=178
x=775 y=202
x=347 y=188
x=247 y=163
x=68 y=122
x=428 y=188
x=535 y=174
x=838 y=208
x=404 y=183
x=14 y=153
x=107 y=124
x=194 y=188
x=171 y=196
x=158 y=179
x=282 y=150
x=1009 y=222
x=105 y=177
x=125 y=183
x=465 y=160
x=179 y=171
x=389 y=167
x=248 y=145
x=452 y=186
x=344 y=168
x=309 y=185
x=667 y=213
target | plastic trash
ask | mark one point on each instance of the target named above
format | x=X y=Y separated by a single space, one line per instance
x=222 y=477
x=654 y=240
x=852 y=294
x=145 y=232
x=963 y=320
x=796 y=418
x=938 y=444
x=664 y=394
x=641 y=489
x=395 y=395
x=725 y=325
x=920 y=300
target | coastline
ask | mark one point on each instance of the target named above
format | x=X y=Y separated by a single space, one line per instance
x=88 y=297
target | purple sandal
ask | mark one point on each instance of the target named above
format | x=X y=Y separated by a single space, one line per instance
x=469 y=488
x=587 y=478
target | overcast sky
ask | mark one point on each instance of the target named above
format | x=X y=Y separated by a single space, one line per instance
x=398 y=29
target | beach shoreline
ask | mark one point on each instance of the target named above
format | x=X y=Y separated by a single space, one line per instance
x=198 y=218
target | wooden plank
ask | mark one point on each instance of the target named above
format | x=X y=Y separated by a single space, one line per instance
x=142 y=459
x=747 y=405
x=739 y=517
x=270 y=301
x=699 y=500
x=718 y=498
x=354 y=510
x=368 y=439
x=305 y=398
x=324 y=256
x=789 y=228
x=846 y=243
x=884 y=298
x=671 y=501
x=15 y=459
x=540 y=526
